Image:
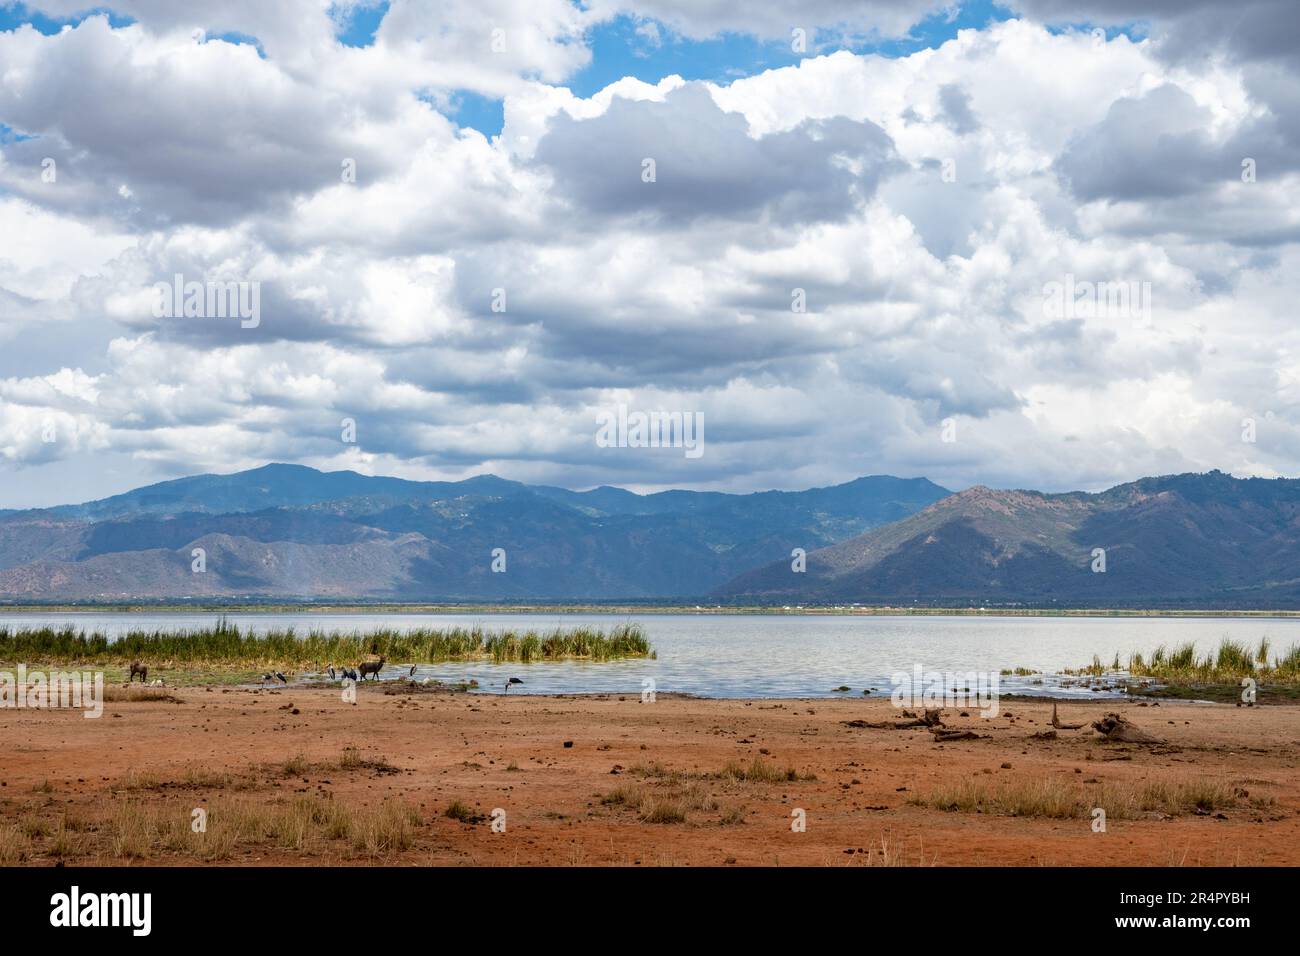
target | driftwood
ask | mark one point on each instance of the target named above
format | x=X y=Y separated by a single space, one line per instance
x=1116 y=728
x=1060 y=726
x=930 y=719
x=942 y=735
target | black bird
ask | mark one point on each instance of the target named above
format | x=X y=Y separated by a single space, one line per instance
x=513 y=680
x=267 y=677
x=412 y=674
x=281 y=678
x=331 y=669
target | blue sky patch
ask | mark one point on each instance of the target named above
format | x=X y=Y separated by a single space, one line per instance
x=358 y=25
x=471 y=110
x=14 y=15
x=237 y=38
x=10 y=135
x=650 y=51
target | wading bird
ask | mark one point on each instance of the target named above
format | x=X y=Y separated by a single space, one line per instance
x=513 y=680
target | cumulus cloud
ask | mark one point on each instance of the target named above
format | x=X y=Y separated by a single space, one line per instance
x=832 y=261
x=773 y=19
x=684 y=159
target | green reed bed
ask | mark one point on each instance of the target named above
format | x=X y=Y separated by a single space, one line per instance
x=225 y=644
x=1229 y=664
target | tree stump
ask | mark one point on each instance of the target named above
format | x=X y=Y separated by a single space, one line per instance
x=1116 y=728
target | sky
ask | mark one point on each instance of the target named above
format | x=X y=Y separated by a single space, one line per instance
x=1045 y=244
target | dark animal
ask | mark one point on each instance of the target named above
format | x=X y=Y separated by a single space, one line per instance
x=138 y=668
x=371 y=667
x=348 y=674
x=331 y=672
x=412 y=674
x=281 y=678
x=513 y=680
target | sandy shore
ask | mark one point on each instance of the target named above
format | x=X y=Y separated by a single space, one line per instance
x=581 y=780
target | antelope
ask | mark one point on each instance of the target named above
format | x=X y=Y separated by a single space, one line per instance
x=370 y=667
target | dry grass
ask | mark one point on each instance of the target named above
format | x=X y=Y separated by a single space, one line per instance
x=757 y=770
x=192 y=777
x=761 y=771
x=462 y=812
x=668 y=804
x=135 y=779
x=305 y=824
x=15 y=845
x=670 y=796
x=1059 y=799
x=890 y=851
x=389 y=829
x=352 y=759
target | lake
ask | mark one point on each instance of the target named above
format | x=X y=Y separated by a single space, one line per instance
x=752 y=655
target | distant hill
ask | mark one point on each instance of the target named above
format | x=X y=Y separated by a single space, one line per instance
x=1206 y=541
x=290 y=532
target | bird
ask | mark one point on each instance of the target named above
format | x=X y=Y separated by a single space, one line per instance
x=331 y=670
x=268 y=677
x=412 y=674
x=513 y=680
x=281 y=678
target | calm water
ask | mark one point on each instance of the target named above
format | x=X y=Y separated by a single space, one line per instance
x=768 y=656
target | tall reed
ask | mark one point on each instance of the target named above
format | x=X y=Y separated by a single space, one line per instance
x=1229 y=663
x=227 y=643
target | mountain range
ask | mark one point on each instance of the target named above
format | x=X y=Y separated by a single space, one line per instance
x=1192 y=540
x=291 y=532
x=287 y=532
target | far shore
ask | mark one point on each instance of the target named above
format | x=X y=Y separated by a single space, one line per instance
x=623 y=609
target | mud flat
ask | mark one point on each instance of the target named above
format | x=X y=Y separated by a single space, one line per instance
x=296 y=775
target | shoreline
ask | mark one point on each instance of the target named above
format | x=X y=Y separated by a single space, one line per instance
x=1218 y=695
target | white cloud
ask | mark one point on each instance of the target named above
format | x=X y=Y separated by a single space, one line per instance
x=924 y=296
